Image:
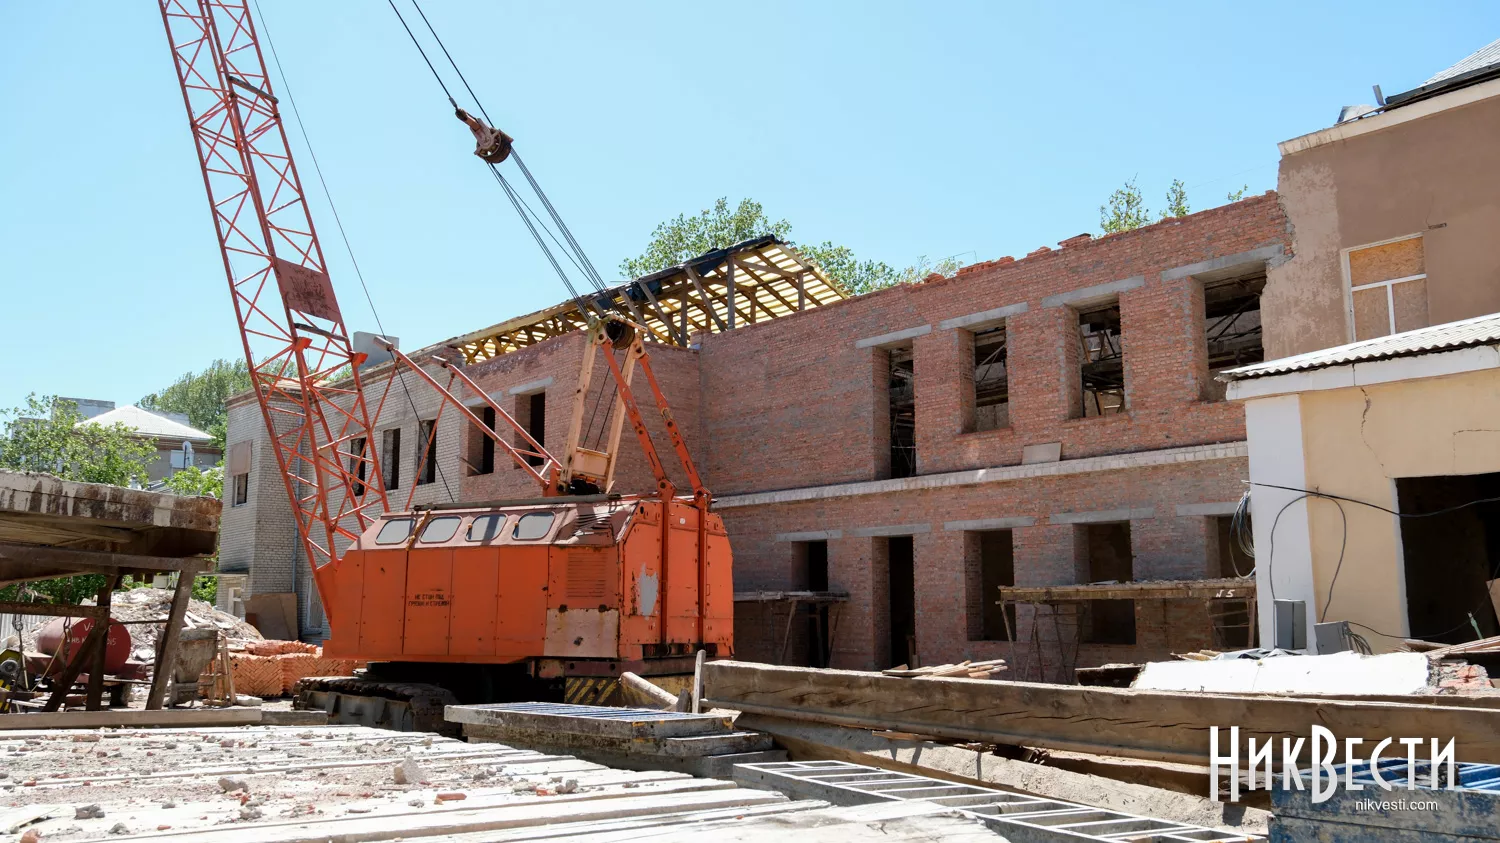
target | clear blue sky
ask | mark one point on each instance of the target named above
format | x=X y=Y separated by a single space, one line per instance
x=898 y=129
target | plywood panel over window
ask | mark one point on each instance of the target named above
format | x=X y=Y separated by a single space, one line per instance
x=1387 y=287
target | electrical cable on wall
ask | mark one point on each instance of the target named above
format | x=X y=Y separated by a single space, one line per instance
x=1340 y=500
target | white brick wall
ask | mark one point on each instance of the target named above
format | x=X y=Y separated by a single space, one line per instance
x=260 y=537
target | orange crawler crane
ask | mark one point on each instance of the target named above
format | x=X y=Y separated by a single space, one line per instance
x=548 y=597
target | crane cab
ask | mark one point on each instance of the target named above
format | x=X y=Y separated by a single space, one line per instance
x=569 y=585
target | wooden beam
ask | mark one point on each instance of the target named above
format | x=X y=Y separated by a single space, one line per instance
x=94 y=560
x=1231 y=588
x=166 y=653
x=95 y=699
x=52 y=610
x=703 y=298
x=128 y=718
x=662 y=315
x=1155 y=725
x=729 y=291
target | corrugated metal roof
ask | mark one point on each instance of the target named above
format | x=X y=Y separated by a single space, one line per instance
x=1482 y=57
x=1481 y=330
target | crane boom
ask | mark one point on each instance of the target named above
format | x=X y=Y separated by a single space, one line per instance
x=292 y=330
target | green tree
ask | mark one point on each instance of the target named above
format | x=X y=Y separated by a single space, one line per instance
x=1124 y=211
x=194 y=481
x=49 y=435
x=684 y=238
x=1177 y=202
x=1237 y=195
x=201 y=396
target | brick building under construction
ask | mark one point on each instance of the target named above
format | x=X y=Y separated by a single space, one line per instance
x=899 y=458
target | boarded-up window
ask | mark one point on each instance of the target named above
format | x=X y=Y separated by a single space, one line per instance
x=1388 y=288
x=239 y=458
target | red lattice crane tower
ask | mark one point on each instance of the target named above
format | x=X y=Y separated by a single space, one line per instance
x=295 y=340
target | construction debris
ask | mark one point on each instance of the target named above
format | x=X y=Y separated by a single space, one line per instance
x=300 y=785
x=963 y=670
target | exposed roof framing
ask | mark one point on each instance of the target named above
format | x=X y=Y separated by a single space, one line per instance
x=746 y=283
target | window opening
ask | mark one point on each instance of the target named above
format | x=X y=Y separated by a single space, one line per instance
x=391 y=457
x=1110 y=560
x=991 y=566
x=991 y=387
x=357 y=463
x=1102 y=361
x=536 y=425
x=481 y=458
x=903 y=413
x=1232 y=327
x=427 y=452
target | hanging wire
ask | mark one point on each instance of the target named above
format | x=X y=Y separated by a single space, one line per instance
x=590 y=273
x=339 y=223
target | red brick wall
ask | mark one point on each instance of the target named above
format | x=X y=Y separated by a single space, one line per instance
x=560 y=359
x=1166 y=546
x=793 y=403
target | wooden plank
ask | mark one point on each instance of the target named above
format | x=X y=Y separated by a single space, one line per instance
x=93 y=560
x=124 y=718
x=1103 y=721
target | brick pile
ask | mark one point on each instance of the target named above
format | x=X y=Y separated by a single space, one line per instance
x=272 y=668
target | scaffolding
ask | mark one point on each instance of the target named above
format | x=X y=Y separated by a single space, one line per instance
x=1229 y=603
x=823 y=610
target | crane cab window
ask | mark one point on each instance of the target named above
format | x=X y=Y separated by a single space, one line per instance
x=395 y=531
x=440 y=529
x=486 y=528
x=533 y=526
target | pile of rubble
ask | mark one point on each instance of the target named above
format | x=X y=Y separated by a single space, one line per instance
x=138 y=605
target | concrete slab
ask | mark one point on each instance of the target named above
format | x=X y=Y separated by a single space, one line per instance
x=603 y=721
x=43 y=511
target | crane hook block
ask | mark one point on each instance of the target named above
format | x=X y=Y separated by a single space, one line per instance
x=490 y=144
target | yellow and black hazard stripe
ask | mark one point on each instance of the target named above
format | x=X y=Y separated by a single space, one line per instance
x=591 y=690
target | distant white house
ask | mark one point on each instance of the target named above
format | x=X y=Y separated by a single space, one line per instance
x=178 y=444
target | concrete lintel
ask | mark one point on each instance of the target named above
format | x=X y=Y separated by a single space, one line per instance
x=984 y=318
x=1217 y=508
x=992 y=523
x=893 y=338
x=892 y=530
x=1041 y=453
x=1098 y=292
x=815 y=536
x=1103 y=516
x=1226 y=265
x=996 y=474
x=532 y=387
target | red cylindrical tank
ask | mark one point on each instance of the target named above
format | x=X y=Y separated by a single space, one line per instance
x=60 y=639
